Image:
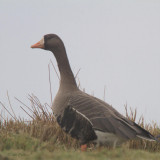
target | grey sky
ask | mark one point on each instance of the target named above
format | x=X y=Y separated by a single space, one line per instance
x=115 y=43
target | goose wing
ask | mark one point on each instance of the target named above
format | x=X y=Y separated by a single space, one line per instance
x=105 y=118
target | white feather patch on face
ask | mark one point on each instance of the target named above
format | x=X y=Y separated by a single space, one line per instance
x=42 y=41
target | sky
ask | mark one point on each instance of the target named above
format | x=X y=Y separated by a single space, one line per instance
x=115 y=44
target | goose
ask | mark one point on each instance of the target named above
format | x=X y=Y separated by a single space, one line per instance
x=81 y=115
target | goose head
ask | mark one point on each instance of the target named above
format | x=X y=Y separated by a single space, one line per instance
x=53 y=43
x=49 y=42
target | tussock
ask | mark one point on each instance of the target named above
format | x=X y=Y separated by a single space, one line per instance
x=44 y=127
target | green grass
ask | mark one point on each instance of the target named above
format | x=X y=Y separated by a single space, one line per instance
x=42 y=152
x=117 y=154
x=23 y=147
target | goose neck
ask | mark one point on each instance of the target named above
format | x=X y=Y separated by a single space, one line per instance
x=67 y=80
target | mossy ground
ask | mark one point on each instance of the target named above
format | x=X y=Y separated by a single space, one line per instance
x=24 y=147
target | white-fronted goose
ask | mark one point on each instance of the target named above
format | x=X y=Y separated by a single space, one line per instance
x=85 y=117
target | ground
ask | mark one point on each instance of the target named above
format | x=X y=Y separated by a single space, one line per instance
x=25 y=147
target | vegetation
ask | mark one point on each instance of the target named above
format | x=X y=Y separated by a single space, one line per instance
x=41 y=138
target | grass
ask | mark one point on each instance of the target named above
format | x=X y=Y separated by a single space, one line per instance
x=23 y=147
x=41 y=138
x=42 y=150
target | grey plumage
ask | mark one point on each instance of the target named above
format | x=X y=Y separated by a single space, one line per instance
x=85 y=117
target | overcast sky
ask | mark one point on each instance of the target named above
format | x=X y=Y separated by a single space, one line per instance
x=115 y=43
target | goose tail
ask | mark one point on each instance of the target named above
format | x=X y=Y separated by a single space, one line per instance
x=148 y=136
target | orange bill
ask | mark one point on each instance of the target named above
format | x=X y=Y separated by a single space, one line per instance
x=39 y=44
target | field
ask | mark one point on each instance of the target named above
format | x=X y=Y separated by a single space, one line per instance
x=40 y=151
x=20 y=146
x=42 y=138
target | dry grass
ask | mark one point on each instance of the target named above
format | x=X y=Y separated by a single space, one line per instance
x=41 y=126
x=44 y=127
x=153 y=128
